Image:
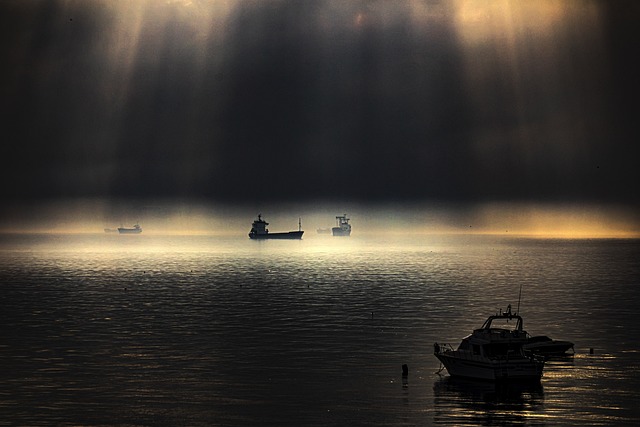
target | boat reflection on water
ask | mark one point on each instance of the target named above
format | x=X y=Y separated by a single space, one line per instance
x=462 y=401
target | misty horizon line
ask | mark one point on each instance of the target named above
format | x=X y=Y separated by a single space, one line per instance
x=176 y=217
x=556 y=234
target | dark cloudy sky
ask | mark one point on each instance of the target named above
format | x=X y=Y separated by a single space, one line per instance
x=320 y=100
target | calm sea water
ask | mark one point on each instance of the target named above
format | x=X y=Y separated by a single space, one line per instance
x=148 y=330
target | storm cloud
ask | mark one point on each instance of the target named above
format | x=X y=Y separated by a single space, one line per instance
x=320 y=100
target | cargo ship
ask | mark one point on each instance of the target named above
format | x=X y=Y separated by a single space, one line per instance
x=342 y=228
x=259 y=231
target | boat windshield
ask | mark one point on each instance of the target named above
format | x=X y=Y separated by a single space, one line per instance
x=464 y=345
x=540 y=338
x=506 y=321
x=502 y=349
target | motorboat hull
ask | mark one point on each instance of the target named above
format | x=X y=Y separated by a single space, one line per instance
x=491 y=369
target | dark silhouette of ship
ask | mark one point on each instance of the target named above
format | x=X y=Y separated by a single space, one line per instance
x=259 y=231
x=342 y=228
x=135 y=230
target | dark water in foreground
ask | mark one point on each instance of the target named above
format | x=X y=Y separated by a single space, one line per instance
x=144 y=330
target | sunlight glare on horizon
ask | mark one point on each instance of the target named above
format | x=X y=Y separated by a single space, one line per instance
x=165 y=217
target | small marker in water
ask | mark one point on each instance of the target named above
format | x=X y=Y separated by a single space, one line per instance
x=405 y=370
x=591 y=351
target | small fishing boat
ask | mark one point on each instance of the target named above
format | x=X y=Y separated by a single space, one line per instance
x=492 y=352
x=545 y=346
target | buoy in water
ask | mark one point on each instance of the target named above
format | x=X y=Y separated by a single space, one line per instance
x=405 y=370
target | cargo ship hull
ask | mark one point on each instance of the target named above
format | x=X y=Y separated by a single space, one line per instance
x=291 y=235
x=135 y=230
x=337 y=231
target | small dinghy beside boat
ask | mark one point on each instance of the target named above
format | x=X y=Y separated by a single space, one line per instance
x=545 y=346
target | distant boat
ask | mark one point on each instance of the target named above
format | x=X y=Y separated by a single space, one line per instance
x=342 y=228
x=259 y=231
x=135 y=230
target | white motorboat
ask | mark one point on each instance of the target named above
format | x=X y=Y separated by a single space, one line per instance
x=493 y=352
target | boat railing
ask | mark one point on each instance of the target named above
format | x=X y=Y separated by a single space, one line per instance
x=500 y=334
x=441 y=348
x=536 y=358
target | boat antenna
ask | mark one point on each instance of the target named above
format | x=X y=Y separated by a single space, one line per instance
x=299 y=224
x=519 y=296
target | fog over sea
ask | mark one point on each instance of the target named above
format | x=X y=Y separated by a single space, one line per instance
x=107 y=329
